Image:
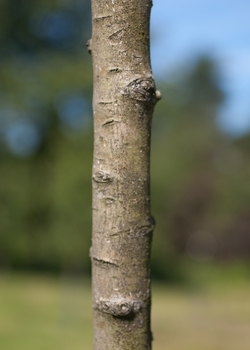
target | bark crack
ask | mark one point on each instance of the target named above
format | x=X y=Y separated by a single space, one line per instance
x=102 y=17
x=104 y=262
x=111 y=121
x=115 y=70
x=106 y=102
x=113 y=35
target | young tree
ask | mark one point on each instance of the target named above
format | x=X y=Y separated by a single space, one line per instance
x=123 y=103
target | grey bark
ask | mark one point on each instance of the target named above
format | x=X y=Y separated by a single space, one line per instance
x=123 y=102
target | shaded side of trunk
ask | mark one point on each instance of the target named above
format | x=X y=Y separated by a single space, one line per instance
x=123 y=103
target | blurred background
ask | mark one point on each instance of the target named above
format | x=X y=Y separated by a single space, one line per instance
x=200 y=173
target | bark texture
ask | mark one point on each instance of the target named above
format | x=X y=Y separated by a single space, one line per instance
x=123 y=103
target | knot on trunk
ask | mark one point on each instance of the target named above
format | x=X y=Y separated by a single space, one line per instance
x=118 y=307
x=141 y=89
x=101 y=176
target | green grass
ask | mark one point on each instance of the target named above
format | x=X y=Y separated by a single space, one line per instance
x=49 y=313
x=44 y=313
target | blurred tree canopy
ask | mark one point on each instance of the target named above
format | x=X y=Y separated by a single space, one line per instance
x=46 y=138
x=200 y=191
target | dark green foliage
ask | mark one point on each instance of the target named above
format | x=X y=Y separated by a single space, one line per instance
x=46 y=136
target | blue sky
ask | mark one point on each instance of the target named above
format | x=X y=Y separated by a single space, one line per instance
x=183 y=29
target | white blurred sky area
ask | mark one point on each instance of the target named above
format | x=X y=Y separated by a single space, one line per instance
x=181 y=30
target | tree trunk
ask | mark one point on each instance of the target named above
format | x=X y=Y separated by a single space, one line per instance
x=123 y=103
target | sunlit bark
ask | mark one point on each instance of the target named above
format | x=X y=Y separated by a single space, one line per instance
x=123 y=102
